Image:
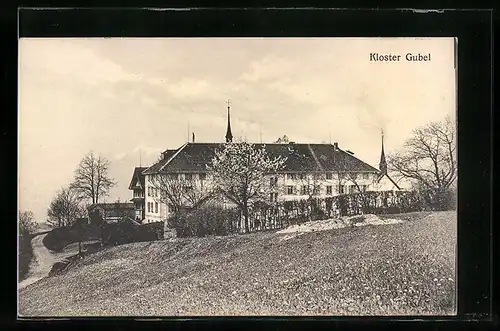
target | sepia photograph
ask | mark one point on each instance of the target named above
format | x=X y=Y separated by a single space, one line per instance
x=237 y=177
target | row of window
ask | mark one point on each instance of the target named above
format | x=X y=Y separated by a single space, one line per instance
x=153 y=192
x=138 y=194
x=151 y=209
x=188 y=176
x=273 y=180
x=316 y=190
x=328 y=175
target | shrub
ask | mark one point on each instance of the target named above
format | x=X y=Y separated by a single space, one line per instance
x=204 y=221
x=59 y=238
x=152 y=231
x=127 y=231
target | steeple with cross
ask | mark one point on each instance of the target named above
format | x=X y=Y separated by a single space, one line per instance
x=229 y=134
x=383 y=163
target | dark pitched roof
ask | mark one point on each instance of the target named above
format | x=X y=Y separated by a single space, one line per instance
x=113 y=205
x=137 y=176
x=165 y=157
x=194 y=157
x=114 y=209
x=382 y=175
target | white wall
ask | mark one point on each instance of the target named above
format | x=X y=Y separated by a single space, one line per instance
x=281 y=188
x=150 y=215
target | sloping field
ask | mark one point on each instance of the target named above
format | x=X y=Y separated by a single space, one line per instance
x=395 y=269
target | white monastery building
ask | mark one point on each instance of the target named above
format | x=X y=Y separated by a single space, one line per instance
x=330 y=170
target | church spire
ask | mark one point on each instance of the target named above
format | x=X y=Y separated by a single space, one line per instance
x=229 y=135
x=383 y=163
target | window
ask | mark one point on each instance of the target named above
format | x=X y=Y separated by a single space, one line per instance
x=149 y=191
x=289 y=190
x=363 y=188
x=273 y=197
x=303 y=190
x=156 y=207
x=328 y=175
x=329 y=190
x=189 y=176
x=352 y=189
x=302 y=176
x=149 y=209
x=203 y=176
x=316 y=190
x=341 y=189
x=273 y=181
x=292 y=176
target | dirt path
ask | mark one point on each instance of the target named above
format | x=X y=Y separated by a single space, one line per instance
x=43 y=260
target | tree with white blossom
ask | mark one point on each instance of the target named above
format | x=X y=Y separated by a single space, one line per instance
x=239 y=172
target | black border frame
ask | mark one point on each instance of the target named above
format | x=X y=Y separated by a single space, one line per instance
x=473 y=28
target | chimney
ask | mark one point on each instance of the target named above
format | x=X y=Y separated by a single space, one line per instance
x=336 y=146
x=193 y=137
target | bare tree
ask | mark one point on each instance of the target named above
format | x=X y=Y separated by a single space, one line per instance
x=311 y=185
x=353 y=182
x=27 y=223
x=239 y=172
x=428 y=156
x=65 y=208
x=179 y=192
x=92 y=180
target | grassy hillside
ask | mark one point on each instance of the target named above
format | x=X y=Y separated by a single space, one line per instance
x=405 y=268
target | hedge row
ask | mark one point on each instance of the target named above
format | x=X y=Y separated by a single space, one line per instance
x=215 y=220
x=125 y=232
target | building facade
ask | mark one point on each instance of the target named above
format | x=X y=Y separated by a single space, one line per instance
x=137 y=185
x=319 y=170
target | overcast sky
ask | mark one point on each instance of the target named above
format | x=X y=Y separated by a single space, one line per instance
x=118 y=97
